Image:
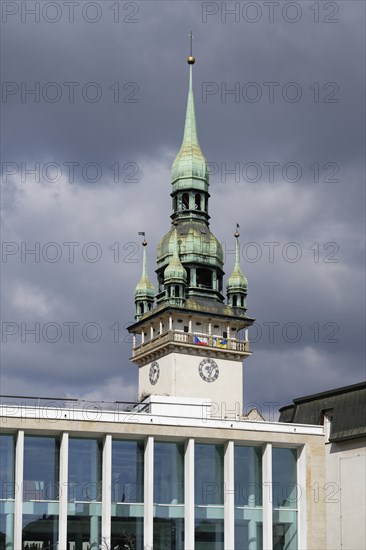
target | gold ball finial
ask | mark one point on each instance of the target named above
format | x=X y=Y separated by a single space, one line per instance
x=237 y=234
x=190 y=59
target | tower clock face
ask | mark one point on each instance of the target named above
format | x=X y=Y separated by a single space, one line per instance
x=209 y=370
x=154 y=372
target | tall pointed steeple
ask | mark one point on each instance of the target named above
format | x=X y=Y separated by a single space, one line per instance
x=190 y=163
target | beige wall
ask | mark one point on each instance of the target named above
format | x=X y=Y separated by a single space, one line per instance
x=179 y=376
x=345 y=495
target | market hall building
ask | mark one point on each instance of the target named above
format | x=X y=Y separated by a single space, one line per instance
x=183 y=469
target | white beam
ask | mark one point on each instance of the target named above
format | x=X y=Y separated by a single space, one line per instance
x=148 y=492
x=18 y=503
x=189 y=494
x=229 y=499
x=63 y=477
x=267 y=497
x=106 y=491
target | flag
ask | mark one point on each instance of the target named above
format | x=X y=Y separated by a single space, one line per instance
x=220 y=342
x=200 y=340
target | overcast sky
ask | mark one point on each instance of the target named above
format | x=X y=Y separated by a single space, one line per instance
x=280 y=111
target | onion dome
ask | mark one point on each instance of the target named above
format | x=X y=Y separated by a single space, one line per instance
x=237 y=282
x=175 y=272
x=144 y=288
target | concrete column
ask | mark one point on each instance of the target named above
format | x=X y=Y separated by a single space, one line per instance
x=148 y=491
x=160 y=327
x=18 y=504
x=170 y=322
x=189 y=494
x=106 y=490
x=64 y=474
x=142 y=337
x=190 y=325
x=229 y=497
x=228 y=331
x=134 y=340
x=301 y=500
x=267 y=497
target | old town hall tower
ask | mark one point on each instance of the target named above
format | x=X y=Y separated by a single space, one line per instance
x=187 y=341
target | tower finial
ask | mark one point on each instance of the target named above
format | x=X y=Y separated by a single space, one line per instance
x=190 y=59
x=142 y=233
x=237 y=234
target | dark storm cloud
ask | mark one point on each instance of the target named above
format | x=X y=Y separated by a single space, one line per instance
x=320 y=140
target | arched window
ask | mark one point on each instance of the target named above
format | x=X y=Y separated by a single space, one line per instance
x=234 y=301
x=141 y=307
x=185 y=201
x=197 y=201
x=206 y=204
x=176 y=291
x=204 y=278
x=175 y=203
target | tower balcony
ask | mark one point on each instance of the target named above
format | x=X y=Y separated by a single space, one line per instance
x=196 y=344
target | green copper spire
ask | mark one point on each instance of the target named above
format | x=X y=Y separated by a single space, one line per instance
x=237 y=282
x=144 y=288
x=190 y=163
x=175 y=271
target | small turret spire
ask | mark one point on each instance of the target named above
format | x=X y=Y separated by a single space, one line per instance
x=237 y=283
x=144 y=292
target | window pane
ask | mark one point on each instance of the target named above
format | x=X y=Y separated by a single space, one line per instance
x=284 y=498
x=85 y=470
x=127 y=471
x=127 y=492
x=7 y=459
x=208 y=472
x=127 y=533
x=209 y=534
x=248 y=476
x=168 y=473
x=40 y=492
x=85 y=489
x=284 y=478
x=41 y=460
x=169 y=533
x=248 y=498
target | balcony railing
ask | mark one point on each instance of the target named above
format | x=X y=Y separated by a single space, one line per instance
x=229 y=344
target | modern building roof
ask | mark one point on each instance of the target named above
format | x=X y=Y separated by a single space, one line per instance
x=346 y=406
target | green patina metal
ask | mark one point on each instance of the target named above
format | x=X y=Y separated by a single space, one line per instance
x=237 y=282
x=175 y=272
x=144 y=289
x=190 y=168
x=190 y=258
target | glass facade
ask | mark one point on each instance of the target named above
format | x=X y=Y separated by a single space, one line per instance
x=284 y=498
x=127 y=518
x=84 y=494
x=248 y=498
x=39 y=521
x=169 y=496
x=209 y=496
x=7 y=486
x=40 y=492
